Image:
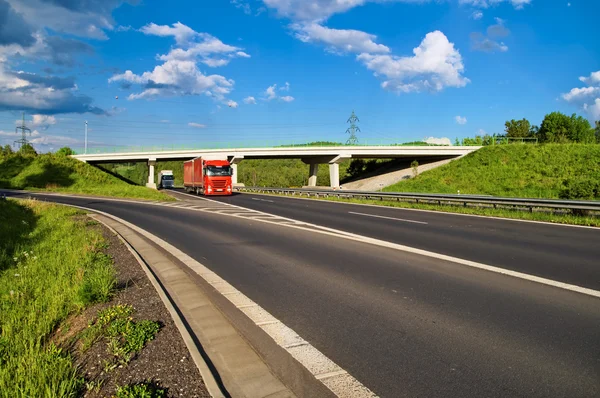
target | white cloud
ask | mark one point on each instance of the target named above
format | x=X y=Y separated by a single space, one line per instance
x=250 y=100
x=587 y=97
x=287 y=98
x=593 y=78
x=577 y=94
x=197 y=125
x=270 y=92
x=311 y=10
x=594 y=109
x=436 y=64
x=165 y=121
x=180 y=75
x=517 y=4
x=339 y=40
x=481 y=132
x=477 y=15
x=438 y=141
x=232 y=104
x=38 y=121
x=286 y=87
x=487 y=43
x=460 y=119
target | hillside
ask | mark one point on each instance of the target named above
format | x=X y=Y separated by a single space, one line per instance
x=516 y=170
x=59 y=173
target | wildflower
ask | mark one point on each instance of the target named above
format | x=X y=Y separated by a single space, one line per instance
x=17 y=275
x=12 y=293
x=24 y=222
x=35 y=257
x=26 y=254
x=16 y=258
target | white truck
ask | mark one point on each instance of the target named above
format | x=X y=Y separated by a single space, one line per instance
x=166 y=179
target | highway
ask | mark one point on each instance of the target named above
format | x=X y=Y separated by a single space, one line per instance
x=403 y=324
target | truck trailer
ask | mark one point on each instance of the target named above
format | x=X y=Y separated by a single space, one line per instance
x=207 y=177
x=166 y=179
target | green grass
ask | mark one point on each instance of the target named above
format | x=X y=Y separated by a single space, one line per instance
x=50 y=266
x=58 y=173
x=143 y=390
x=515 y=170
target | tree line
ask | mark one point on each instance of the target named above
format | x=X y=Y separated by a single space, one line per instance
x=555 y=128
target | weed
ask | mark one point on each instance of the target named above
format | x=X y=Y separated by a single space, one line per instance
x=142 y=390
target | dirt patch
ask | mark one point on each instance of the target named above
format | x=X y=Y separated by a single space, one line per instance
x=165 y=361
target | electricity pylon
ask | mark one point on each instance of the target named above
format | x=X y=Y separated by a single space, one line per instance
x=24 y=130
x=352 y=140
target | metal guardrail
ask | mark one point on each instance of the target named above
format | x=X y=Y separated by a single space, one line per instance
x=440 y=199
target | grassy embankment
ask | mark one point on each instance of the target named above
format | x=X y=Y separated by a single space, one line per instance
x=516 y=170
x=58 y=173
x=50 y=266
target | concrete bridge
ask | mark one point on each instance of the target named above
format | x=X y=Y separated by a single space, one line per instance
x=313 y=156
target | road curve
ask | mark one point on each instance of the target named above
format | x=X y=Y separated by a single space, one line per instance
x=403 y=324
x=563 y=253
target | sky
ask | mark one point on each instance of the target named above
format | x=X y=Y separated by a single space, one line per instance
x=234 y=73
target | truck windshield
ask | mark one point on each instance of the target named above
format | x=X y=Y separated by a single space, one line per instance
x=167 y=177
x=223 y=171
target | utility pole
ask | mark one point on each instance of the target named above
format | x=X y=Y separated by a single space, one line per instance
x=85 y=148
x=352 y=140
x=24 y=130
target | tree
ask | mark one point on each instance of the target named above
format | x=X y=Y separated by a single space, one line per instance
x=558 y=127
x=27 y=149
x=6 y=150
x=597 y=131
x=517 y=128
x=415 y=168
x=65 y=151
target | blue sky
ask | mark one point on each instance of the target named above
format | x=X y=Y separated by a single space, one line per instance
x=248 y=72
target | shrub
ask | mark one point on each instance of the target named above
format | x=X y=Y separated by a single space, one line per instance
x=580 y=189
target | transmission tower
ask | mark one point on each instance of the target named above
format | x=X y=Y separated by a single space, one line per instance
x=352 y=140
x=24 y=130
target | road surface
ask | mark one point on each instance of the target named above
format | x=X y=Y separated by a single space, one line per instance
x=406 y=325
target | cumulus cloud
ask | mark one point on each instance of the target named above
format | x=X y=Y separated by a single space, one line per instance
x=197 y=125
x=179 y=75
x=13 y=27
x=42 y=122
x=47 y=95
x=438 y=141
x=436 y=64
x=339 y=40
x=271 y=93
x=250 y=100
x=460 y=119
x=311 y=10
x=488 y=42
x=232 y=104
x=588 y=98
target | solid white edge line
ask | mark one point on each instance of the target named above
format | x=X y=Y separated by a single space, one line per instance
x=207 y=376
x=428 y=211
x=355 y=389
x=387 y=218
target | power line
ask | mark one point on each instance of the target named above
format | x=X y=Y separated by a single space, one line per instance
x=352 y=140
x=24 y=130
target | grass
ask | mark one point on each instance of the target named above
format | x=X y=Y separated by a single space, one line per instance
x=143 y=390
x=56 y=173
x=571 y=219
x=516 y=170
x=51 y=265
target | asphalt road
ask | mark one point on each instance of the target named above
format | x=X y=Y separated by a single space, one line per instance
x=563 y=253
x=403 y=324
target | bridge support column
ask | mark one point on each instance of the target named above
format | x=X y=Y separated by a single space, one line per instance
x=151 y=178
x=234 y=161
x=312 y=175
x=334 y=175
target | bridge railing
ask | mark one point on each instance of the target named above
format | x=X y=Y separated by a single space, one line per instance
x=230 y=145
x=588 y=207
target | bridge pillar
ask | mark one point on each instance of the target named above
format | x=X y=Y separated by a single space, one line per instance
x=151 y=179
x=334 y=175
x=234 y=161
x=312 y=175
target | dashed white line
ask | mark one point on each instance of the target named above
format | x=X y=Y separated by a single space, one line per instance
x=388 y=218
x=263 y=200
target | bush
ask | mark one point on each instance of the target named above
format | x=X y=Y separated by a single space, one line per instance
x=580 y=189
x=140 y=391
x=65 y=151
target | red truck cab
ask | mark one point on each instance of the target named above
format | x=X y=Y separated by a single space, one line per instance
x=207 y=177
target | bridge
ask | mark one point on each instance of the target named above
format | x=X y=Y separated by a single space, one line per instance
x=313 y=156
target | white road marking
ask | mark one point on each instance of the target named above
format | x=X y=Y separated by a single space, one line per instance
x=387 y=218
x=263 y=200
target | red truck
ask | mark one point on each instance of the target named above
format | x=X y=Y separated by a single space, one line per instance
x=207 y=177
